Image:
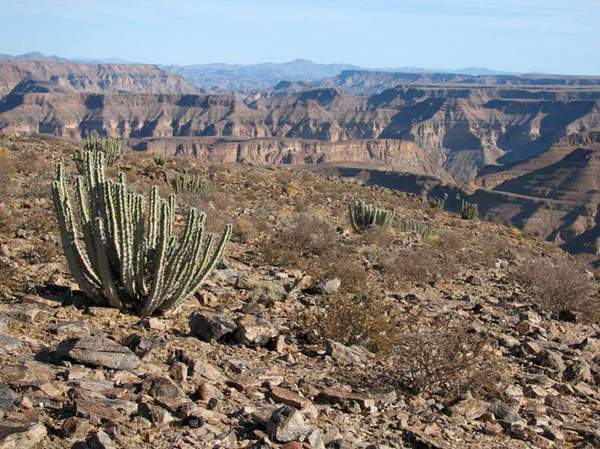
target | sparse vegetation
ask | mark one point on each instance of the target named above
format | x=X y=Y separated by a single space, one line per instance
x=559 y=286
x=130 y=257
x=364 y=216
x=443 y=357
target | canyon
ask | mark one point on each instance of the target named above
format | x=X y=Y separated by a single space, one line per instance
x=525 y=148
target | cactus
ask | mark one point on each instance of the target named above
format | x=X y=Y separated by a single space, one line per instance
x=124 y=253
x=190 y=183
x=468 y=211
x=414 y=226
x=439 y=203
x=159 y=159
x=363 y=216
x=111 y=149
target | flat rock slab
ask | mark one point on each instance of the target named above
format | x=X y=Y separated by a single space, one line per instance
x=9 y=344
x=8 y=398
x=21 y=436
x=98 y=351
x=98 y=408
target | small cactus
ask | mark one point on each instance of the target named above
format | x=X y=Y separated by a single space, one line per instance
x=414 y=226
x=468 y=211
x=439 y=203
x=124 y=253
x=363 y=216
x=159 y=159
x=190 y=183
x=111 y=149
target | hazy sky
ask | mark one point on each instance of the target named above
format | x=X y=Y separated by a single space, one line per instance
x=553 y=36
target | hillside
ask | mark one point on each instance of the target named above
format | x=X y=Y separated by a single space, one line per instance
x=91 y=78
x=437 y=332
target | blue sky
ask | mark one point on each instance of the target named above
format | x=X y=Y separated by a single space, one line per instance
x=553 y=36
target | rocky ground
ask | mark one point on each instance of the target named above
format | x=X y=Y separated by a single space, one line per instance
x=307 y=335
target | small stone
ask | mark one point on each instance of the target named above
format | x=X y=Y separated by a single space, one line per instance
x=100 y=440
x=208 y=326
x=253 y=331
x=76 y=427
x=155 y=413
x=208 y=392
x=551 y=359
x=578 y=371
x=475 y=280
x=287 y=397
x=330 y=286
x=504 y=412
x=178 y=371
x=345 y=354
x=8 y=398
x=470 y=408
x=287 y=424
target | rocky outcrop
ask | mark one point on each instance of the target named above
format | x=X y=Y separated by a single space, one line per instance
x=96 y=78
x=462 y=129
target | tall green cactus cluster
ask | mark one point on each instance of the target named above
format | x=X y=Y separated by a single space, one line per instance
x=468 y=211
x=190 y=183
x=112 y=150
x=439 y=203
x=364 y=215
x=124 y=252
x=414 y=226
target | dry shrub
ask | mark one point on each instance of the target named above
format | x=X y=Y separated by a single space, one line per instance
x=244 y=230
x=303 y=236
x=558 y=286
x=7 y=172
x=352 y=320
x=423 y=264
x=443 y=357
x=40 y=252
x=344 y=265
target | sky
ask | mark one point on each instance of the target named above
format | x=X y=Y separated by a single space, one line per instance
x=551 y=36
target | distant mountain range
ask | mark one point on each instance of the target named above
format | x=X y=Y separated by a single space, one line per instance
x=238 y=77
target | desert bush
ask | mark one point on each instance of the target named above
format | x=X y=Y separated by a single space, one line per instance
x=558 y=286
x=300 y=237
x=7 y=172
x=424 y=264
x=129 y=256
x=442 y=357
x=244 y=231
x=364 y=216
x=352 y=320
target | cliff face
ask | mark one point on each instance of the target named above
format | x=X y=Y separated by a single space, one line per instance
x=464 y=129
x=402 y=156
x=97 y=78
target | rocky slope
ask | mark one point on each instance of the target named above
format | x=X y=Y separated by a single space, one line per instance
x=238 y=366
x=94 y=78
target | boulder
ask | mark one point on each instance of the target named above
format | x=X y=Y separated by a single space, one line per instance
x=97 y=351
